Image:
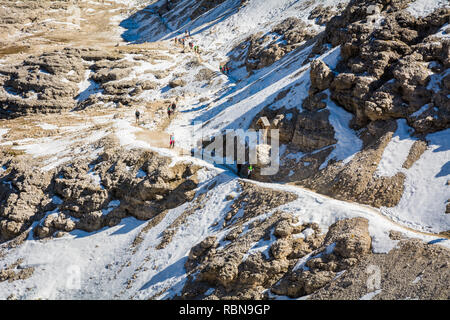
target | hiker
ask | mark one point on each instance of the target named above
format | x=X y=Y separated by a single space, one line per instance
x=221 y=69
x=239 y=168
x=169 y=111
x=173 y=106
x=249 y=171
x=172 y=141
x=137 y=114
x=227 y=70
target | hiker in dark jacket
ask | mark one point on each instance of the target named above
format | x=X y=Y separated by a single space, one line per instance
x=137 y=114
x=249 y=171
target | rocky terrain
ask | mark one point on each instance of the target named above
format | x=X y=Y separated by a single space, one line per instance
x=358 y=91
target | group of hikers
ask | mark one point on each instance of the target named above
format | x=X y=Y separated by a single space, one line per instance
x=170 y=110
x=224 y=69
x=172 y=107
x=183 y=40
x=187 y=35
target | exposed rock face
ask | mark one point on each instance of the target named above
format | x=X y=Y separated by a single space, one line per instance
x=41 y=84
x=237 y=277
x=346 y=243
x=50 y=82
x=74 y=200
x=204 y=6
x=391 y=67
x=322 y=14
x=177 y=83
x=412 y=270
x=259 y=51
x=351 y=237
x=22 y=197
x=313 y=131
x=321 y=76
x=15 y=272
x=387 y=62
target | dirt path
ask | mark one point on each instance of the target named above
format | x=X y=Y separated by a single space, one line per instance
x=159 y=139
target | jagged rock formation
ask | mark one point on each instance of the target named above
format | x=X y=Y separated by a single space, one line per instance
x=50 y=82
x=391 y=66
x=41 y=84
x=398 y=277
x=15 y=271
x=234 y=273
x=90 y=195
x=387 y=62
x=262 y=50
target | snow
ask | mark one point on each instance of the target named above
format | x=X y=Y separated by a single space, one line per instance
x=3 y=132
x=420 y=111
x=442 y=33
x=348 y=143
x=47 y=126
x=396 y=151
x=422 y=8
x=423 y=202
x=111 y=206
x=371 y=295
x=99 y=264
x=57 y=200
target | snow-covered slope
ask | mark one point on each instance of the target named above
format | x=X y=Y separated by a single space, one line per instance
x=107 y=264
x=104 y=264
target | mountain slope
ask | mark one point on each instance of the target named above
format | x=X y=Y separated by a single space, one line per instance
x=94 y=205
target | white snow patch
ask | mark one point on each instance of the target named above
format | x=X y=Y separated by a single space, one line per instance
x=422 y=8
x=348 y=143
x=47 y=126
x=370 y=295
x=397 y=150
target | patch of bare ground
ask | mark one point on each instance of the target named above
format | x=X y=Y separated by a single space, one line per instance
x=417 y=149
x=15 y=271
x=413 y=270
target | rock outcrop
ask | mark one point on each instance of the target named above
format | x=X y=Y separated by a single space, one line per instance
x=89 y=196
x=235 y=273
x=262 y=50
x=388 y=61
